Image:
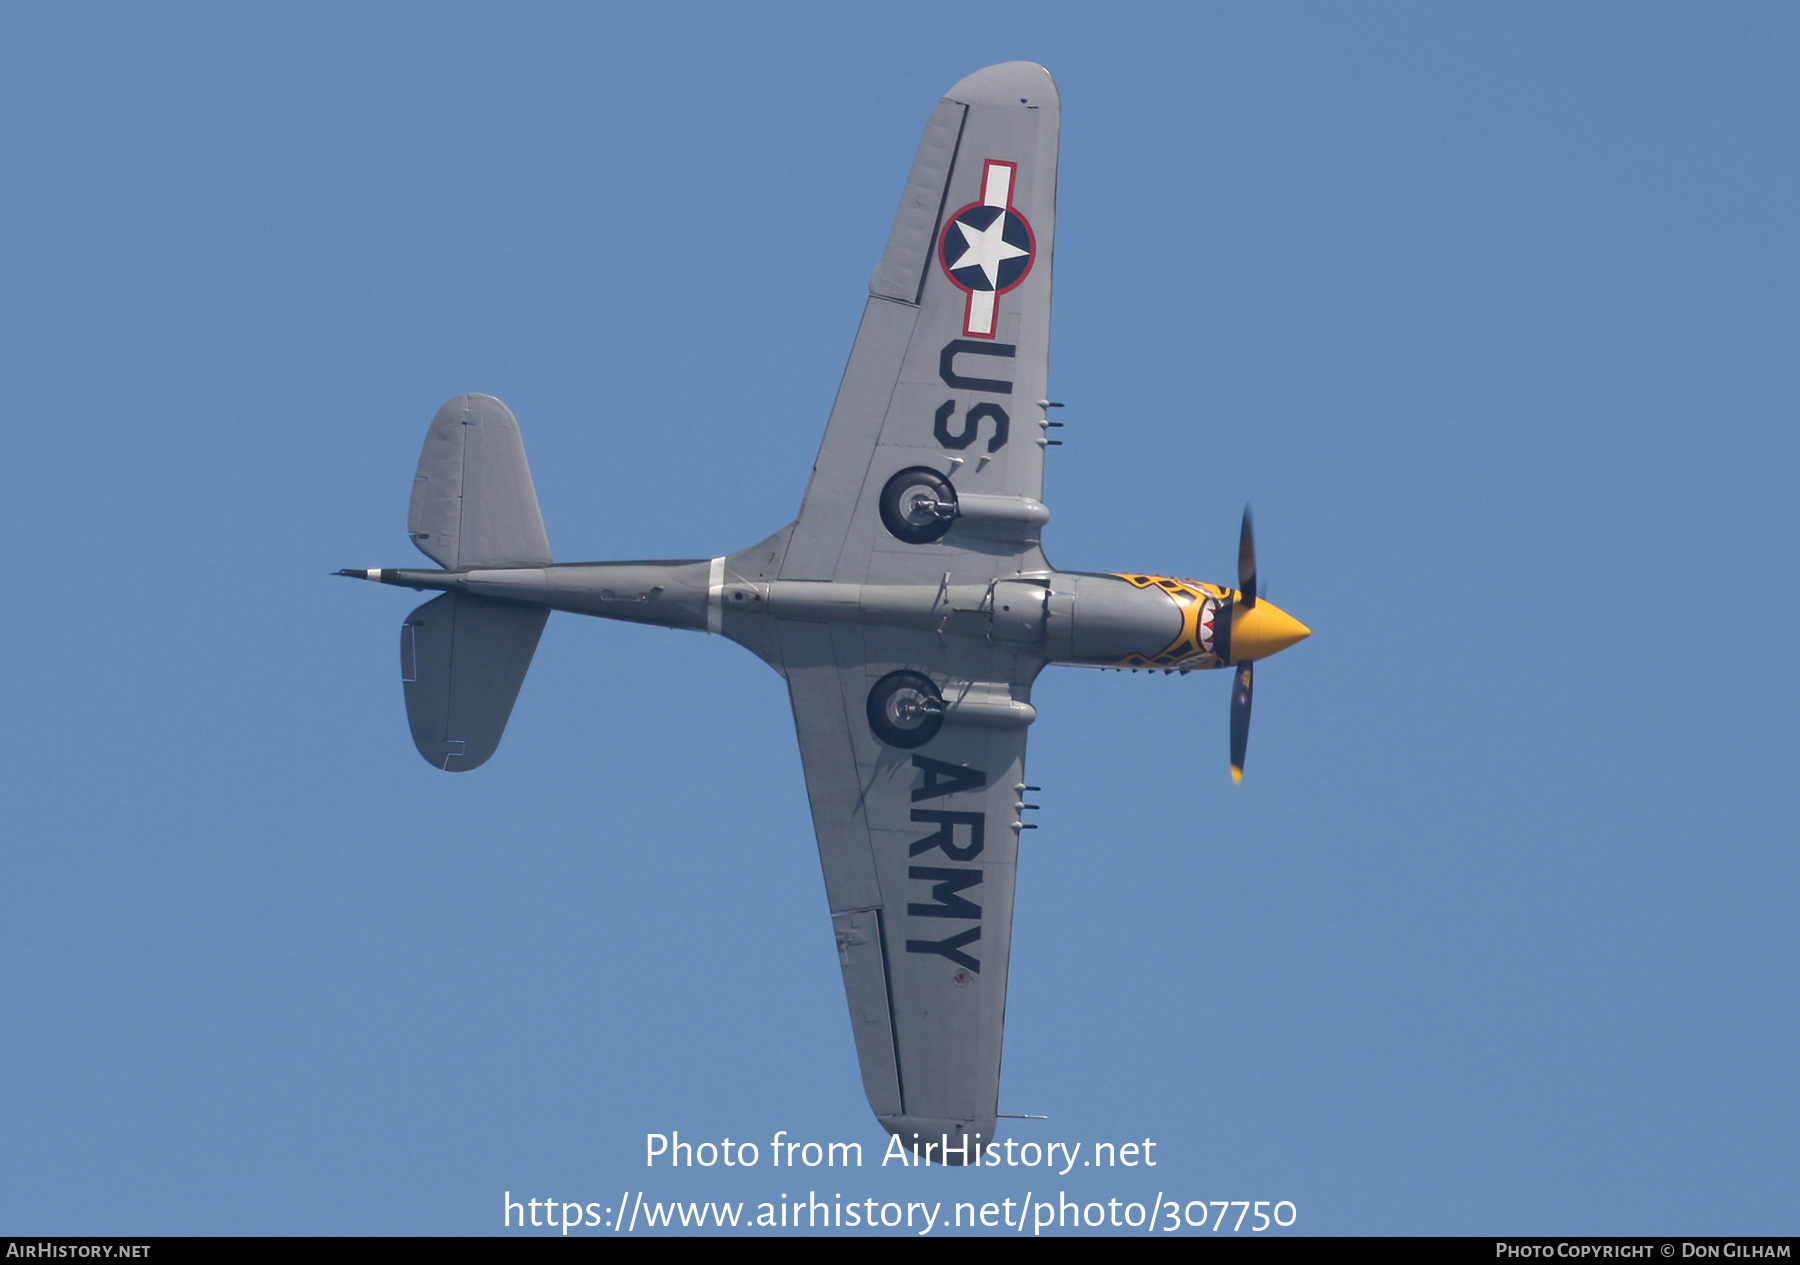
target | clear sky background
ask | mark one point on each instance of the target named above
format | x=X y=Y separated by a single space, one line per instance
x=1491 y=313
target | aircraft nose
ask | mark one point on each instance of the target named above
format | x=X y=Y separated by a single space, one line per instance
x=1262 y=630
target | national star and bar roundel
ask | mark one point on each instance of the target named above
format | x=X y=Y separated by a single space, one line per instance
x=987 y=248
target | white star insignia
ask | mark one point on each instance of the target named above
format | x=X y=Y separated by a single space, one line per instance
x=986 y=249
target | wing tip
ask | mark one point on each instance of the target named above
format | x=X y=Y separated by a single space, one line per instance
x=476 y=404
x=1006 y=83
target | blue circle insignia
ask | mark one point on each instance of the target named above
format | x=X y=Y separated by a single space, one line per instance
x=978 y=252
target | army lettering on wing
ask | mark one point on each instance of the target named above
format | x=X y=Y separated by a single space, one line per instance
x=951 y=948
x=945 y=838
x=943 y=779
x=948 y=882
x=939 y=779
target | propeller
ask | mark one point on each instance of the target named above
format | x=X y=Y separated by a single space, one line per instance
x=1240 y=718
x=1258 y=629
x=1244 y=685
x=1247 y=561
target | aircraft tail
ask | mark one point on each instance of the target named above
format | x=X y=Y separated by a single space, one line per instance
x=473 y=502
x=462 y=661
x=463 y=658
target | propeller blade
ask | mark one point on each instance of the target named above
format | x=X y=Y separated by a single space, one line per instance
x=1247 y=561
x=1240 y=719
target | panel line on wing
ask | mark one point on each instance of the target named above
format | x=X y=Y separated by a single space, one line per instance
x=937 y=225
x=887 y=976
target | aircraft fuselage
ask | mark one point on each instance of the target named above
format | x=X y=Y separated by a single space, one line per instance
x=1126 y=620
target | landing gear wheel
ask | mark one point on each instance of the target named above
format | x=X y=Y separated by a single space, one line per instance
x=917 y=505
x=905 y=709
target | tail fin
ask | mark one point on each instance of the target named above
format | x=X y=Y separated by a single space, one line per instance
x=473 y=503
x=462 y=661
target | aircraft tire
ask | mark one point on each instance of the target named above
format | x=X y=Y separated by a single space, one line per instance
x=913 y=503
x=905 y=709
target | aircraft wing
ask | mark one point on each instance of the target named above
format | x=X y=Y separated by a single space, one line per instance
x=952 y=356
x=919 y=852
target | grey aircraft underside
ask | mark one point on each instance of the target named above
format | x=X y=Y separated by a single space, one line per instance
x=909 y=606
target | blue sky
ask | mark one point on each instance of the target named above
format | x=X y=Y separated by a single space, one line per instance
x=1489 y=311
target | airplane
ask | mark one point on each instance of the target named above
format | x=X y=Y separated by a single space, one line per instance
x=909 y=607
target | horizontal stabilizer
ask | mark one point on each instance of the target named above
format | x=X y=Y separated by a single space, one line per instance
x=462 y=661
x=473 y=503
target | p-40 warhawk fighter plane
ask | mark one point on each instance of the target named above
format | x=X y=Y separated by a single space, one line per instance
x=909 y=606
